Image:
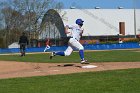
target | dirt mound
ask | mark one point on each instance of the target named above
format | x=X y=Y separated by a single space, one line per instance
x=13 y=69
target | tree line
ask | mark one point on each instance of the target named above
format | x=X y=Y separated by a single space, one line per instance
x=17 y=16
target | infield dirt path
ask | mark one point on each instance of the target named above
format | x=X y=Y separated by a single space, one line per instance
x=13 y=69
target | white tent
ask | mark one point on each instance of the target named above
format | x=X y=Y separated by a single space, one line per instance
x=14 y=45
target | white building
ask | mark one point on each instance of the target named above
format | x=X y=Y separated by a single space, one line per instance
x=104 y=21
x=97 y=22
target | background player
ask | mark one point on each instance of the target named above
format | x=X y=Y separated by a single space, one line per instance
x=73 y=42
x=23 y=41
x=47 y=44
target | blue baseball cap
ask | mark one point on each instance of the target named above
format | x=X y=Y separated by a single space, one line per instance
x=79 y=21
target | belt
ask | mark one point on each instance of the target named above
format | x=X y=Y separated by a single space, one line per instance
x=74 y=38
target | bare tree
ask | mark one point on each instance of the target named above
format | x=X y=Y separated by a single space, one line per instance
x=25 y=15
x=34 y=10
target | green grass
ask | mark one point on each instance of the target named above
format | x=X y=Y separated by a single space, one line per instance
x=119 y=81
x=95 y=56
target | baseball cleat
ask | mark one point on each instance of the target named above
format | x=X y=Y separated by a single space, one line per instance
x=84 y=62
x=52 y=55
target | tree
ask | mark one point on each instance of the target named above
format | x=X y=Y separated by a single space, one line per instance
x=25 y=15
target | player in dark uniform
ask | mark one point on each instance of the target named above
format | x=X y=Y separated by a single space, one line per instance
x=23 y=41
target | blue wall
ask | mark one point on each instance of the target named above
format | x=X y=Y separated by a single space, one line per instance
x=87 y=47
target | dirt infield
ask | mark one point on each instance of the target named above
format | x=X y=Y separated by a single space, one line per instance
x=26 y=69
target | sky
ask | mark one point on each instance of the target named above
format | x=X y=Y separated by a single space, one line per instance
x=104 y=4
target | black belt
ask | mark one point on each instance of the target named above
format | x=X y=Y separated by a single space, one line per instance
x=74 y=38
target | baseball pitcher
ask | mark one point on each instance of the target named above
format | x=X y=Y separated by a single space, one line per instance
x=74 y=36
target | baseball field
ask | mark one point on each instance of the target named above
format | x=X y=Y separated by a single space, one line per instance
x=117 y=71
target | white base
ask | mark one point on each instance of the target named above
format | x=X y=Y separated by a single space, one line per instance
x=89 y=66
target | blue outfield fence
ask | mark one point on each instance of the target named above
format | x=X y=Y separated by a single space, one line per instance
x=87 y=47
x=112 y=46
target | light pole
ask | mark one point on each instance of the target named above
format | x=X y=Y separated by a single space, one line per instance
x=134 y=4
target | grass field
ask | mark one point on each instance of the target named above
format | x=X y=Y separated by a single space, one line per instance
x=118 y=81
x=95 y=56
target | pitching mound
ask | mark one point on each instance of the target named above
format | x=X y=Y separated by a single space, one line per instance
x=26 y=69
